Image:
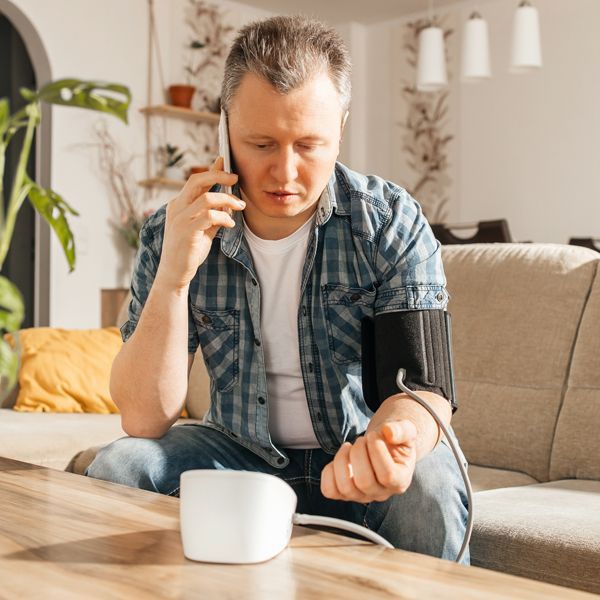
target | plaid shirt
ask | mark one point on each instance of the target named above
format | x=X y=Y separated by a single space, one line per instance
x=371 y=251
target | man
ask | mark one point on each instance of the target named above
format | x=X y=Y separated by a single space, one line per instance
x=273 y=288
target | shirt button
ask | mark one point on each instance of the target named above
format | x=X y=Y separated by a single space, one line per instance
x=254 y=282
x=304 y=310
x=280 y=460
x=206 y=319
x=354 y=297
x=310 y=367
x=319 y=417
x=322 y=211
x=261 y=400
x=256 y=342
x=440 y=296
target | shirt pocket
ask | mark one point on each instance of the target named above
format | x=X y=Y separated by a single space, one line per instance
x=345 y=307
x=218 y=333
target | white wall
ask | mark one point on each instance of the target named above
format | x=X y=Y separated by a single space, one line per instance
x=104 y=41
x=526 y=146
x=529 y=143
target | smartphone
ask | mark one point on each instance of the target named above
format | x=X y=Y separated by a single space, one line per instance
x=224 y=149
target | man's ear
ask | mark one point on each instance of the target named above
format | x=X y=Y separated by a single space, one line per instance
x=344 y=119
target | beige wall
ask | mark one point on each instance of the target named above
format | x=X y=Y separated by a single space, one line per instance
x=526 y=146
x=105 y=41
x=529 y=144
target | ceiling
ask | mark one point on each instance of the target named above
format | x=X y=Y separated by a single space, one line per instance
x=338 y=11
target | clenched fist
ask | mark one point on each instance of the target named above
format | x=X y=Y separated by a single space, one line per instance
x=378 y=465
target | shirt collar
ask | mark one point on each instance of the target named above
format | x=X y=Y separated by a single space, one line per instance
x=231 y=237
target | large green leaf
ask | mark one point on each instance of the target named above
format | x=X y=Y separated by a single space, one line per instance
x=4 y=113
x=9 y=367
x=85 y=94
x=53 y=208
x=12 y=308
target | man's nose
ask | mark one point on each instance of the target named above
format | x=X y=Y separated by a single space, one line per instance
x=284 y=168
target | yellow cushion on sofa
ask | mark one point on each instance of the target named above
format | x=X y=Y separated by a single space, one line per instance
x=66 y=370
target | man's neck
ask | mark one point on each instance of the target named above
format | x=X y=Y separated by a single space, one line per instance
x=271 y=228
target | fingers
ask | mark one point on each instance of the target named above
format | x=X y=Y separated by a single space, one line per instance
x=370 y=470
x=336 y=478
x=394 y=476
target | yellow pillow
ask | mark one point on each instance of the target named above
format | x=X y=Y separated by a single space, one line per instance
x=66 y=370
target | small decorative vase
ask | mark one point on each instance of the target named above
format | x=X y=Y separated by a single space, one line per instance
x=181 y=95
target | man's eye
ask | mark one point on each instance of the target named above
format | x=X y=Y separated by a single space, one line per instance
x=307 y=146
x=261 y=146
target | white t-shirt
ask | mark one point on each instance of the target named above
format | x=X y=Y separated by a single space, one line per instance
x=278 y=265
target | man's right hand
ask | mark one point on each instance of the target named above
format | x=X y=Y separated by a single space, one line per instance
x=192 y=221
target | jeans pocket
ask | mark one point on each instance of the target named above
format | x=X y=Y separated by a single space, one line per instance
x=345 y=308
x=218 y=332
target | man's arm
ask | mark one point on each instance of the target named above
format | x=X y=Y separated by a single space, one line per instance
x=148 y=379
x=401 y=407
x=382 y=462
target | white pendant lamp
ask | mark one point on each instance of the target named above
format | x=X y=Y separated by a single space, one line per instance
x=431 y=62
x=526 y=49
x=475 y=63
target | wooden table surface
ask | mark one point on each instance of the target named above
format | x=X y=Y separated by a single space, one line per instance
x=66 y=536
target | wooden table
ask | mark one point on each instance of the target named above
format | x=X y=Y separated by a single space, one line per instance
x=66 y=536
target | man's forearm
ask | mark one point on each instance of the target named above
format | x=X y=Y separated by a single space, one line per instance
x=149 y=375
x=401 y=406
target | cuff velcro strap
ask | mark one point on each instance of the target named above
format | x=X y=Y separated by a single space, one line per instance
x=416 y=340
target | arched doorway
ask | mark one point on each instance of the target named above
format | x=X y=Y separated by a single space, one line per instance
x=24 y=63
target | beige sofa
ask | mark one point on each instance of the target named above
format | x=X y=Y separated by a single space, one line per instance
x=527 y=359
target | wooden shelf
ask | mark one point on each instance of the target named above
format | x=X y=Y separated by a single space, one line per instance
x=165 y=110
x=162 y=182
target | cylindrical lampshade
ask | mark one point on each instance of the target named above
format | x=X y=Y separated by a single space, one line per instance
x=475 y=49
x=526 y=51
x=431 y=62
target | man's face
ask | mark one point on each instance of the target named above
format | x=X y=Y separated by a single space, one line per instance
x=284 y=149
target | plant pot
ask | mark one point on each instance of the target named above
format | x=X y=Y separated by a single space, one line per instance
x=181 y=95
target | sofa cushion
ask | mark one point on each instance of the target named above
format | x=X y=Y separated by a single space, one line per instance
x=485 y=478
x=53 y=439
x=66 y=370
x=576 y=448
x=516 y=309
x=548 y=531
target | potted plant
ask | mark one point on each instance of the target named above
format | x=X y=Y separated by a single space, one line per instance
x=183 y=94
x=50 y=205
x=172 y=159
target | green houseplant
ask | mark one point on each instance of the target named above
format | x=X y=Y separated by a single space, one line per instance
x=109 y=98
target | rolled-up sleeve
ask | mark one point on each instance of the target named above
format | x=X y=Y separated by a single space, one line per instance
x=409 y=261
x=145 y=267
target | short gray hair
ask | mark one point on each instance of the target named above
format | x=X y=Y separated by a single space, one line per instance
x=287 y=51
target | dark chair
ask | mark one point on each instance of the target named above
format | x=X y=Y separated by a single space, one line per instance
x=586 y=243
x=487 y=232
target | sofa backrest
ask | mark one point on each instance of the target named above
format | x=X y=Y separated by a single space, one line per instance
x=576 y=448
x=516 y=310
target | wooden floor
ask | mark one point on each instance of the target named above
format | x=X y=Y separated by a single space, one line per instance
x=66 y=536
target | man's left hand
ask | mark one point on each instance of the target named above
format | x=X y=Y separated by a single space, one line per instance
x=375 y=467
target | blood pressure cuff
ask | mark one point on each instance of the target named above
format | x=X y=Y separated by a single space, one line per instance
x=419 y=341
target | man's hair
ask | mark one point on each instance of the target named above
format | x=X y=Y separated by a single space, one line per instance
x=287 y=51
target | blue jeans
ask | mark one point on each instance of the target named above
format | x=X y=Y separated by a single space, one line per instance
x=429 y=518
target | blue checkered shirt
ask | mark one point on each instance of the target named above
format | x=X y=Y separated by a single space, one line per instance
x=371 y=251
